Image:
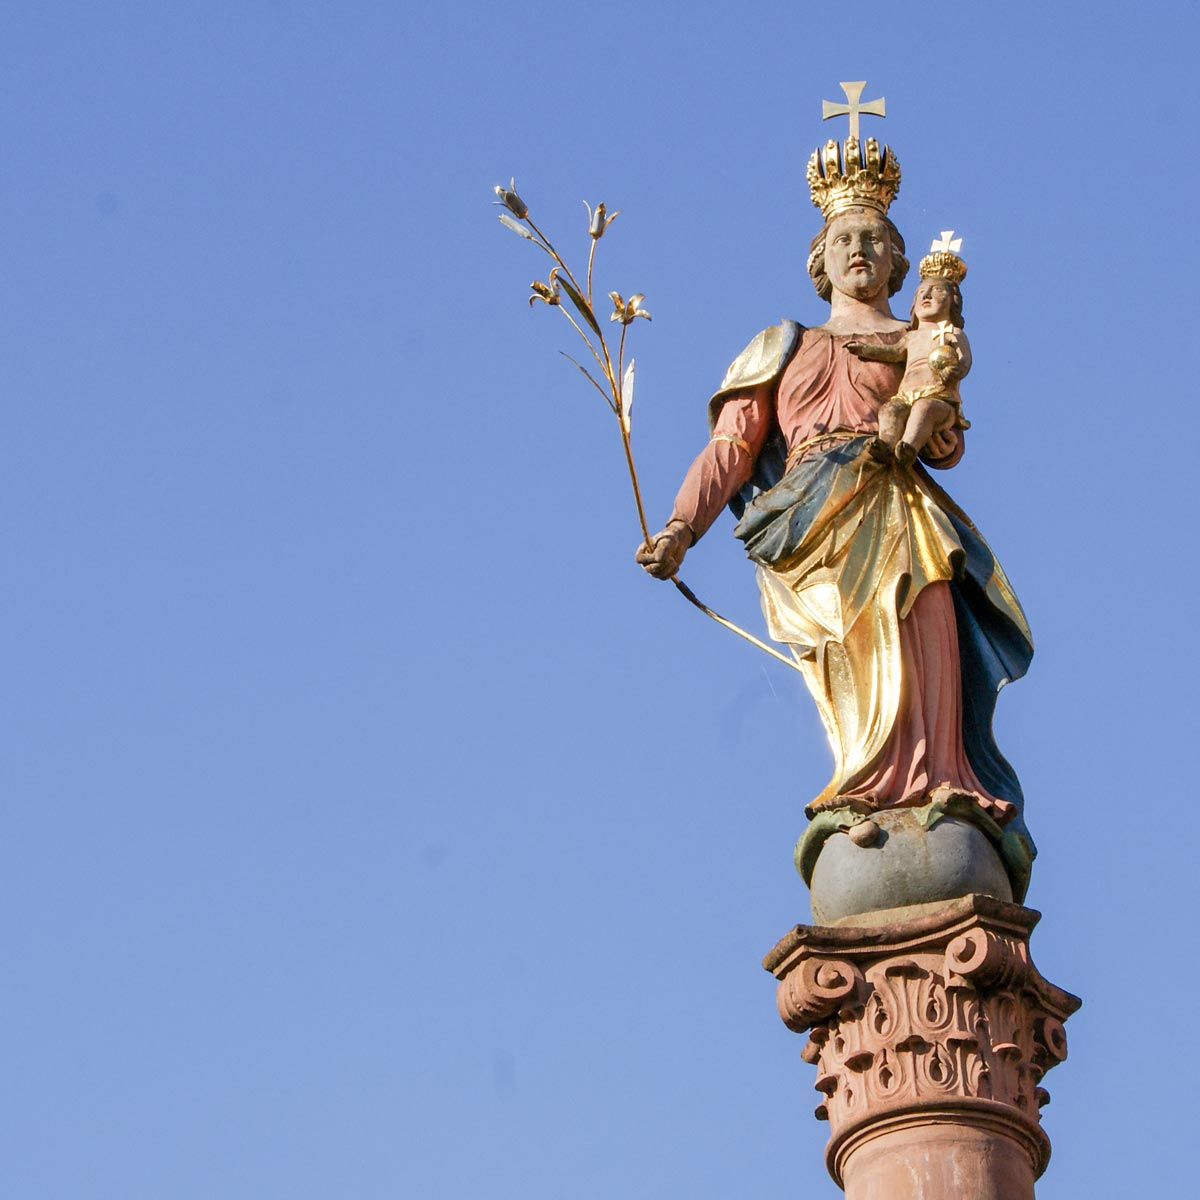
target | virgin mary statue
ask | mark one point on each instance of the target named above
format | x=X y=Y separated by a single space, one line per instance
x=892 y=604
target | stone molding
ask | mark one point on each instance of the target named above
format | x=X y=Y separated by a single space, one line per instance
x=934 y=1015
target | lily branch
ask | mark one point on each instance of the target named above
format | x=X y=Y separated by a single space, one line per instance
x=618 y=394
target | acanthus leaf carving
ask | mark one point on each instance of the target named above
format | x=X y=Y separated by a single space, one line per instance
x=958 y=1017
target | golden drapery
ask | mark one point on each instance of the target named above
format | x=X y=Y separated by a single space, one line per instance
x=881 y=534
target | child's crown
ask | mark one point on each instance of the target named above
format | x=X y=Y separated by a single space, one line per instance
x=942 y=261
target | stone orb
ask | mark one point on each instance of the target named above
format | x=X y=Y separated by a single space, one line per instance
x=904 y=863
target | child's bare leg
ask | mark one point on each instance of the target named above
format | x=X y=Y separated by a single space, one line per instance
x=927 y=417
x=892 y=418
x=891 y=426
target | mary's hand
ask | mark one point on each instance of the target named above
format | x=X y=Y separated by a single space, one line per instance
x=666 y=550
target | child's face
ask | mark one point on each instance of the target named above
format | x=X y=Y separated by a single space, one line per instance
x=932 y=301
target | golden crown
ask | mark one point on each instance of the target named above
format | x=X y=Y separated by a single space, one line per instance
x=853 y=176
x=942 y=261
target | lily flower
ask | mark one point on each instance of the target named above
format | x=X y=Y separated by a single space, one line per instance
x=625 y=310
x=547 y=293
x=509 y=198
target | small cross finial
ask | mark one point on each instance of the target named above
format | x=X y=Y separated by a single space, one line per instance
x=944 y=243
x=943 y=333
x=853 y=109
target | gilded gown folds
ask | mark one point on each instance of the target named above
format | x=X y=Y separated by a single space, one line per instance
x=846 y=547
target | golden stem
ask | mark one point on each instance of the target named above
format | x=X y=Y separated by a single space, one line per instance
x=558 y=258
x=599 y=361
x=608 y=369
x=633 y=479
x=688 y=594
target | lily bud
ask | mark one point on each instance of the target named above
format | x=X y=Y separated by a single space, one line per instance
x=509 y=198
x=599 y=220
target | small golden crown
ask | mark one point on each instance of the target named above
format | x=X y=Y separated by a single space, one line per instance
x=942 y=261
x=853 y=177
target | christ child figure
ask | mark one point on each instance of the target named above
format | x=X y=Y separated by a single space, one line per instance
x=936 y=355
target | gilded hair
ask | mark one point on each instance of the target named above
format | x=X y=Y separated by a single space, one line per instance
x=816 y=261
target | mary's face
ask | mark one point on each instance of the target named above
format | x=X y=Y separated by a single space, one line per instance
x=858 y=255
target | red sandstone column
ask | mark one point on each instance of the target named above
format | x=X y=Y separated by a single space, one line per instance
x=931 y=1030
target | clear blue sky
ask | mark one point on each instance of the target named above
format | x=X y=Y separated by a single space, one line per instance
x=372 y=827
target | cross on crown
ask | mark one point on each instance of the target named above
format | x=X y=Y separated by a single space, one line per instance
x=945 y=244
x=943 y=260
x=853 y=109
x=852 y=174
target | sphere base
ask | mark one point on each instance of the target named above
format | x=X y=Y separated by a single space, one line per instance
x=906 y=863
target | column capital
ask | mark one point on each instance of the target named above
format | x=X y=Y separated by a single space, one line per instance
x=930 y=1016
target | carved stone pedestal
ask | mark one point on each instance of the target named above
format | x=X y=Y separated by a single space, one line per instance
x=931 y=1030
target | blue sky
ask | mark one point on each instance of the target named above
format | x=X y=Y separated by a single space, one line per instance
x=372 y=826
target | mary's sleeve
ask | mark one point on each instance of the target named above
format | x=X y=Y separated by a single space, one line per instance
x=727 y=462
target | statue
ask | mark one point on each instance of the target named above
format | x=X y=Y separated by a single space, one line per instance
x=890 y=601
x=929 y=1025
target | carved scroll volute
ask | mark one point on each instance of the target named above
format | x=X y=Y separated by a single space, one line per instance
x=815 y=990
x=1051 y=1041
x=986 y=959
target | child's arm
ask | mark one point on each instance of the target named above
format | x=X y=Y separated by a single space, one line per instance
x=964 y=348
x=873 y=353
